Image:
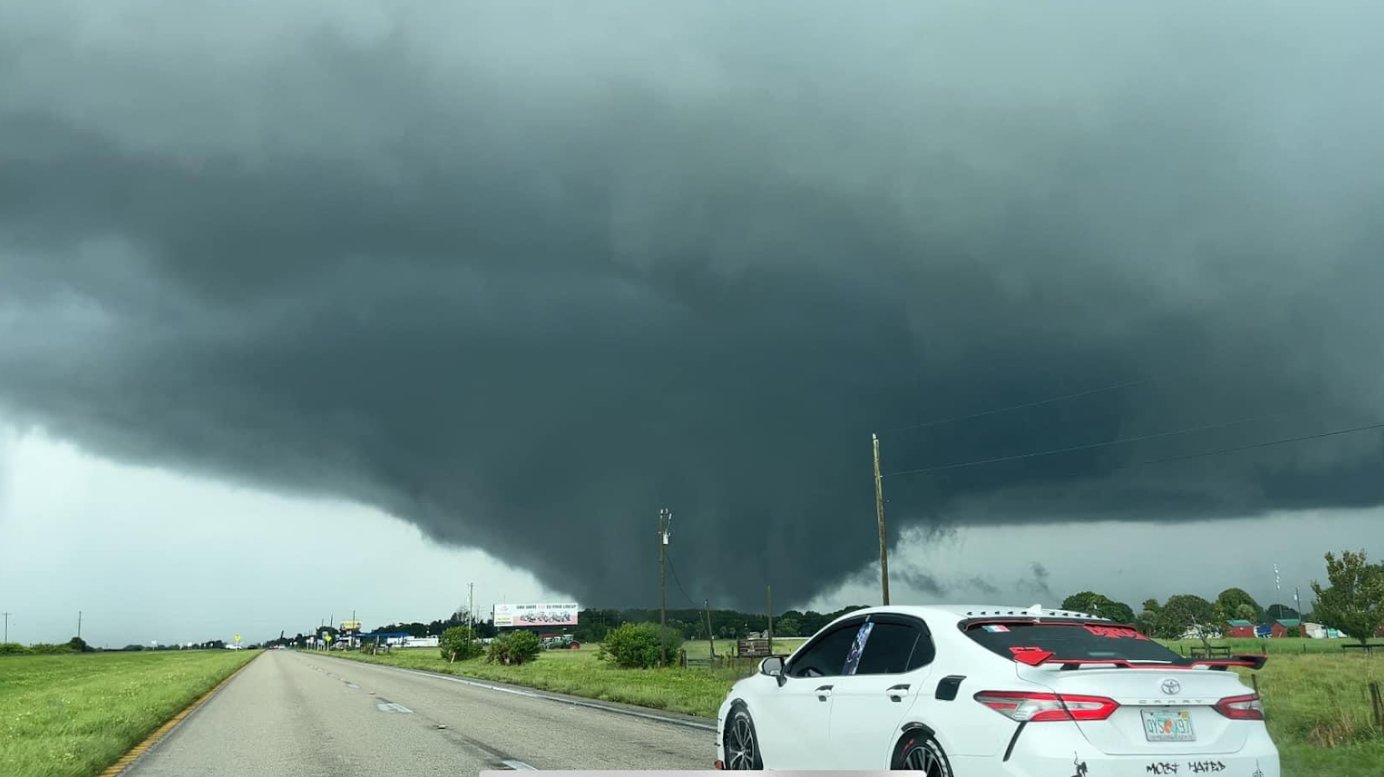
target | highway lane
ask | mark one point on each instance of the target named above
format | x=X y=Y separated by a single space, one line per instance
x=302 y=714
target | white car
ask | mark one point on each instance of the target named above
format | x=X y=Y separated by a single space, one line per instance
x=986 y=690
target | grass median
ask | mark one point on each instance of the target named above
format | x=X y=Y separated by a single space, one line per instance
x=692 y=691
x=74 y=715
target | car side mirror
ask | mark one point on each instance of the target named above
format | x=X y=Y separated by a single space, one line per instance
x=773 y=667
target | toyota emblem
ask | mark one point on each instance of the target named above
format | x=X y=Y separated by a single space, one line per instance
x=1171 y=686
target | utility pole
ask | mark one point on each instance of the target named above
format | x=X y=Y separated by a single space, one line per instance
x=710 y=636
x=79 y=624
x=769 y=595
x=470 y=615
x=879 y=515
x=7 y=629
x=665 y=519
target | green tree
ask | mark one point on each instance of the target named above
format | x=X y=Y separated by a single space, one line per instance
x=1281 y=612
x=1237 y=603
x=788 y=627
x=637 y=645
x=516 y=647
x=1187 y=612
x=458 y=643
x=1098 y=604
x=1354 y=602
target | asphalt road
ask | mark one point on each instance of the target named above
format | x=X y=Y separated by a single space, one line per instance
x=297 y=714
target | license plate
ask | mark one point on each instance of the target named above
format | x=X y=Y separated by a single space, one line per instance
x=1168 y=726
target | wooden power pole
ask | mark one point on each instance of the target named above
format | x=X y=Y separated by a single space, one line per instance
x=665 y=517
x=879 y=515
x=710 y=636
x=769 y=600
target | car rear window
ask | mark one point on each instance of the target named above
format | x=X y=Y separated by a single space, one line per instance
x=1074 y=641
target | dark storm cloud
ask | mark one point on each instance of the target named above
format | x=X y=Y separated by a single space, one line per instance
x=524 y=274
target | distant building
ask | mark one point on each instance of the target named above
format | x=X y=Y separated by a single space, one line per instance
x=1240 y=629
x=1319 y=631
x=1285 y=627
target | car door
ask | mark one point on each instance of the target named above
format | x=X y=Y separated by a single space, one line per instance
x=793 y=719
x=869 y=703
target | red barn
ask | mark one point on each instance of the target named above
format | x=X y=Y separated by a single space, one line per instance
x=1284 y=628
x=1240 y=629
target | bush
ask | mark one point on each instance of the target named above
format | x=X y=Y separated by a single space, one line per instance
x=518 y=647
x=458 y=642
x=12 y=649
x=637 y=646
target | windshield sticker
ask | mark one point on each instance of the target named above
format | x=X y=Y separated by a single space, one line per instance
x=1116 y=632
x=857 y=649
x=995 y=628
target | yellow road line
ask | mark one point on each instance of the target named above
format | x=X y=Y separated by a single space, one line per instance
x=162 y=731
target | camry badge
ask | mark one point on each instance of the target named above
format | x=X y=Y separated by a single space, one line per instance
x=1171 y=686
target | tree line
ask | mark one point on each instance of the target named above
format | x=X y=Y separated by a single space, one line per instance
x=1352 y=602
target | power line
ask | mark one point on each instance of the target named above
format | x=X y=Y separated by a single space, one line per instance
x=1085 y=447
x=1269 y=444
x=1023 y=406
x=678 y=582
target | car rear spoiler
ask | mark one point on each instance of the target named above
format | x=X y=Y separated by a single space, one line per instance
x=1037 y=657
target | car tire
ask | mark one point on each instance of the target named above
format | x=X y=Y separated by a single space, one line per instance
x=919 y=751
x=742 y=742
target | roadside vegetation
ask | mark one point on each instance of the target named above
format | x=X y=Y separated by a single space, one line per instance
x=692 y=691
x=1317 y=708
x=74 y=715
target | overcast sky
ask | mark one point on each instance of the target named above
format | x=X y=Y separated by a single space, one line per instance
x=292 y=289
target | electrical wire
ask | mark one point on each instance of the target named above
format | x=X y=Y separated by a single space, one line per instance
x=1269 y=444
x=669 y=558
x=1023 y=406
x=1084 y=447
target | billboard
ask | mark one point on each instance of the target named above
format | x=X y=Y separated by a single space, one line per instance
x=512 y=615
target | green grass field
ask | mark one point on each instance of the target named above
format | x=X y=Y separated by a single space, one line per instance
x=1315 y=693
x=693 y=691
x=74 y=715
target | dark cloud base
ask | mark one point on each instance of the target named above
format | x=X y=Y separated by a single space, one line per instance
x=525 y=310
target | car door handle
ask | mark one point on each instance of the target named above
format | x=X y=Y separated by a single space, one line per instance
x=824 y=693
x=896 y=692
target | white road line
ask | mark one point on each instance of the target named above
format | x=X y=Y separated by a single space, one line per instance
x=519 y=766
x=353 y=685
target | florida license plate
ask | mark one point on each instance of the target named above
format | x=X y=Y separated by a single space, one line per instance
x=1168 y=726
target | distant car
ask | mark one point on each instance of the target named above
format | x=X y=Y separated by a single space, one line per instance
x=986 y=690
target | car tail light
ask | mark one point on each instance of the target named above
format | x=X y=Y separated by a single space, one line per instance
x=1039 y=707
x=1248 y=707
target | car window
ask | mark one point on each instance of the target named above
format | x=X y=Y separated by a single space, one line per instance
x=1075 y=641
x=894 y=648
x=825 y=657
